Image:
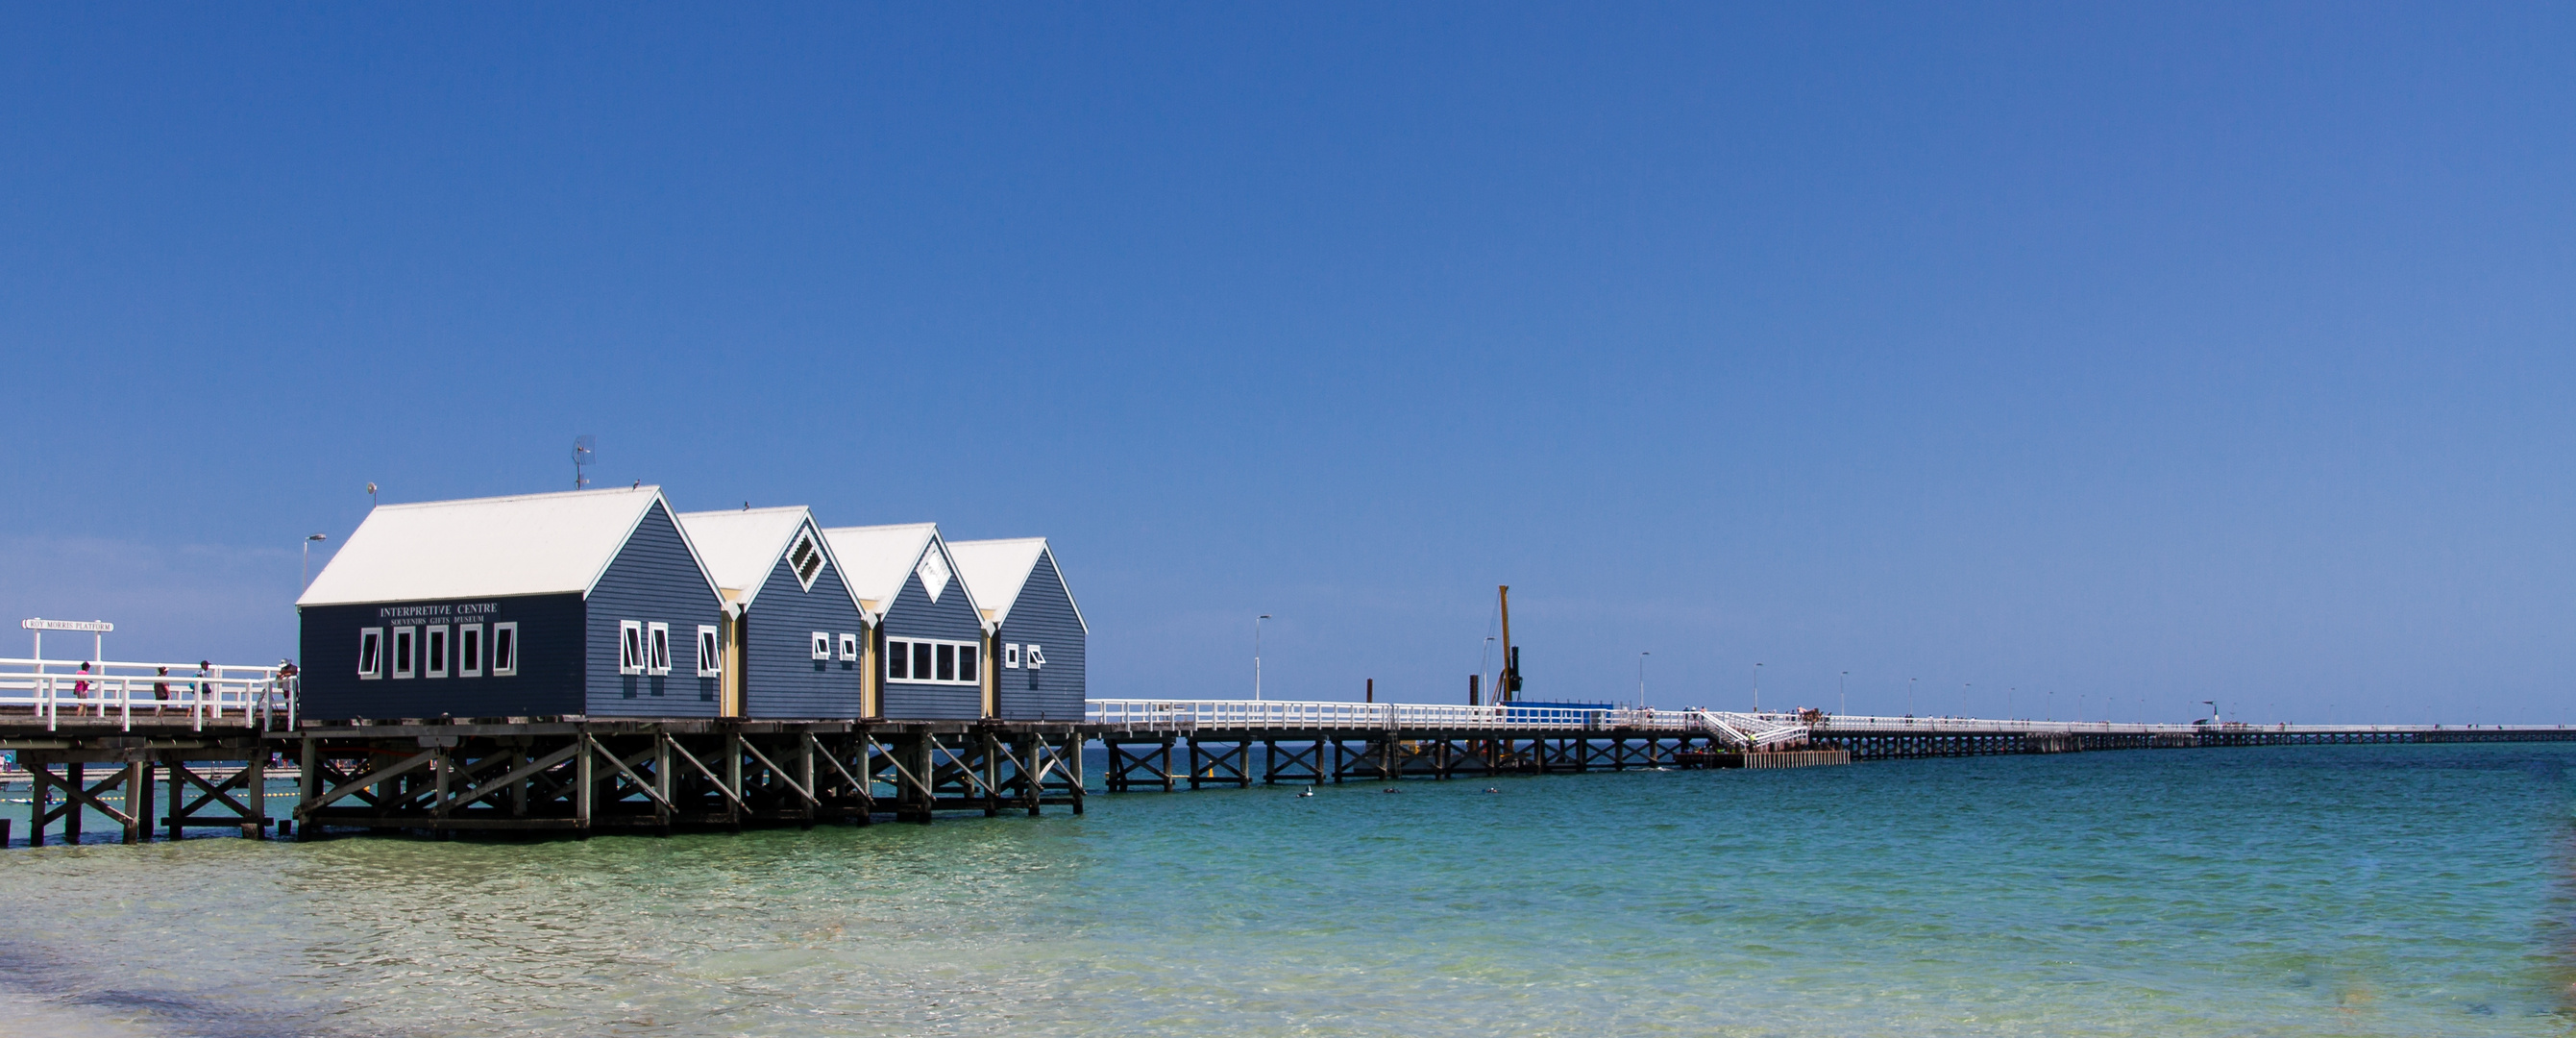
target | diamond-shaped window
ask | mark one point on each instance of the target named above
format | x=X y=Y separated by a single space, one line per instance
x=934 y=574
x=806 y=558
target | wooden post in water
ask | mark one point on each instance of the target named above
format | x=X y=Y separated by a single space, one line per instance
x=255 y=792
x=71 y=802
x=138 y=800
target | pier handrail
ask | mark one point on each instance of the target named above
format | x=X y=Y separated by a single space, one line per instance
x=1765 y=728
x=226 y=695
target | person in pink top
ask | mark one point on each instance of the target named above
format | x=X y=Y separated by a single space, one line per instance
x=80 y=691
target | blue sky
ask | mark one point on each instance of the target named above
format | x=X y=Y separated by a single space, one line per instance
x=2091 y=358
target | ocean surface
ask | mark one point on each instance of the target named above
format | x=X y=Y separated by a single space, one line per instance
x=2380 y=890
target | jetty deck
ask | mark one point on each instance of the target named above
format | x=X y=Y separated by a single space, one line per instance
x=165 y=755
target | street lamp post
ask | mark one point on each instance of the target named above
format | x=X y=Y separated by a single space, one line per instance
x=1757 y=688
x=1256 y=655
x=1909 y=696
x=1641 y=679
x=1842 y=693
x=305 y=576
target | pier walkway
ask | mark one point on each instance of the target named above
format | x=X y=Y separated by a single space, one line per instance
x=167 y=748
x=1227 y=742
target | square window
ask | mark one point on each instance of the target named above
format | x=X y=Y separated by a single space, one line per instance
x=898 y=661
x=406 y=646
x=966 y=664
x=469 y=650
x=433 y=651
x=505 y=649
x=822 y=645
x=947 y=662
x=849 y=648
x=1010 y=656
x=710 y=662
x=921 y=661
x=630 y=646
x=371 y=652
x=1033 y=656
x=657 y=648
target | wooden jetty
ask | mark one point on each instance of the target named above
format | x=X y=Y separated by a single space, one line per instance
x=204 y=757
x=1165 y=744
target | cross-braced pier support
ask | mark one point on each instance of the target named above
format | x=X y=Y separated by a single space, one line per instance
x=585 y=776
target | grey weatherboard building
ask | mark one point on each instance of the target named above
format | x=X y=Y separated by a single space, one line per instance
x=1037 y=635
x=536 y=605
x=795 y=642
x=927 y=636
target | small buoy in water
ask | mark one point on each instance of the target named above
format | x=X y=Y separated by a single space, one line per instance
x=1307 y=792
x=1491 y=789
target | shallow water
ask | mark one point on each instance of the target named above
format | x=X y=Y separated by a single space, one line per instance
x=2283 y=891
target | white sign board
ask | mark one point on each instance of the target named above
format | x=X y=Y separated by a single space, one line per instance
x=41 y=624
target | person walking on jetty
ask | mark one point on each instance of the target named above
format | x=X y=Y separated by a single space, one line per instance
x=80 y=693
x=160 y=691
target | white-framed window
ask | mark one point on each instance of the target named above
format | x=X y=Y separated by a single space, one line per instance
x=710 y=652
x=1033 y=656
x=822 y=645
x=806 y=558
x=657 y=648
x=505 y=649
x=1010 y=656
x=933 y=662
x=371 y=652
x=469 y=650
x=434 y=648
x=849 y=648
x=630 y=646
x=406 y=651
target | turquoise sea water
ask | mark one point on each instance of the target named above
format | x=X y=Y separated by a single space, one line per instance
x=2286 y=891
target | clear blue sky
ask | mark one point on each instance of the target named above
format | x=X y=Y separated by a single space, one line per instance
x=2155 y=356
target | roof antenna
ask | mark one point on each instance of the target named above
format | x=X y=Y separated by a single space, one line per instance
x=371 y=493
x=585 y=451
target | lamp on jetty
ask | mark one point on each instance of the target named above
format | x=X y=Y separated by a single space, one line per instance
x=1256 y=655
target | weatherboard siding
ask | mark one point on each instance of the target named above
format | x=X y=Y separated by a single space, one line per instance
x=1044 y=615
x=951 y=618
x=653 y=579
x=548 y=681
x=785 y=680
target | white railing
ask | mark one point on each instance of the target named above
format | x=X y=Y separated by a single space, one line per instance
x=160 y=694
x=1191 y=715
x=1852 y=724
x=1766 y=728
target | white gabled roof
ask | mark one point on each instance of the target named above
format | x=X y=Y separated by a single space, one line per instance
x=491 y=547
x=740 y=548
x=875 y=560
x=997 y=570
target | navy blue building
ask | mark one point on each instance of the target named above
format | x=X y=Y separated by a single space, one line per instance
x=1035 y=635
x=589 y=602
x=925 y=650
x=793 y=646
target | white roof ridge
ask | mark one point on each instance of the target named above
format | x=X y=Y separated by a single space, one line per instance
x=876 y=572
x=648 y=488
x=715 y=549
x=558 y=542
x=999 y=572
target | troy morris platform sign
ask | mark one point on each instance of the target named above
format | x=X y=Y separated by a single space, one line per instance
x=42 y=624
